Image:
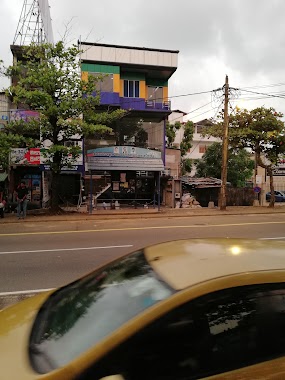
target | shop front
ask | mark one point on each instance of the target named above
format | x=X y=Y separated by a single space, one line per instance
x=29 y=165
x=126 y=174
x=3 y=186
x=25 y=166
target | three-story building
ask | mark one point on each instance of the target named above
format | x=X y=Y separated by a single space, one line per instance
x=135 y=79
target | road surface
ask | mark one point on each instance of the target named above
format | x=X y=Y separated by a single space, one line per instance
x=35 y=256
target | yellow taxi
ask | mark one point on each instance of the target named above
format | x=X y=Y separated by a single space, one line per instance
x=188 y=309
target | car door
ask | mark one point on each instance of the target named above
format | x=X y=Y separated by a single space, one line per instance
x=278 y=196
x=237 y=333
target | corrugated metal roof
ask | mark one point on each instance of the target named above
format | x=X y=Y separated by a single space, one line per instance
x=128 y=163
x=201 y=182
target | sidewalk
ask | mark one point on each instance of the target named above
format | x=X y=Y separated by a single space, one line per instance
x=40 y=216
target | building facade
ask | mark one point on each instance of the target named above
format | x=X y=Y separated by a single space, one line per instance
x=200 y=143
x=134 y=79
x=29 y=164
x=4 y=118
x=4 y=110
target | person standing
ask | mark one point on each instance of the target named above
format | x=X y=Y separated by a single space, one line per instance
x=22 y=194
x=2 y=203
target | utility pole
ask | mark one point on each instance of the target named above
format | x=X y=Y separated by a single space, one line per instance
x=223 y=196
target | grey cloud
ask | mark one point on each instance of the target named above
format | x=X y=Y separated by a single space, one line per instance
x=242 y=38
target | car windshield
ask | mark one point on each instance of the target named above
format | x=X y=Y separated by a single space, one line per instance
x=81 y=314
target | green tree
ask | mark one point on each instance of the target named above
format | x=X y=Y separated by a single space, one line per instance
x=261 y=130
x=186 y=142
x=187 y=139
x=171 y=130
x=48 y=80
x=186 y=165
x=240 y=165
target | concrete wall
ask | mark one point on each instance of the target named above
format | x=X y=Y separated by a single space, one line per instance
x=155 y=133
x=129 y=55
x=173 y=162
x=173 y=187
x=4 y=108
x=279 y=181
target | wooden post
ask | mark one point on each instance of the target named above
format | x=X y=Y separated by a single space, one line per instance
x=223 y=197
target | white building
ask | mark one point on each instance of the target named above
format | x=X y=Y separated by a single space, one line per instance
x=177 y=116
x=200 y=143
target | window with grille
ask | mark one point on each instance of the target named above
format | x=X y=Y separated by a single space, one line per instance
x=200 y=128
x=131 y=88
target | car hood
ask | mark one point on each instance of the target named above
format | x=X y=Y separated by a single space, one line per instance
x=15 y=327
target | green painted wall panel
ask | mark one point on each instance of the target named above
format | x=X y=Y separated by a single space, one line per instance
x=104 y=69
x=84 y=67
x=156 y=82
x=133 y=76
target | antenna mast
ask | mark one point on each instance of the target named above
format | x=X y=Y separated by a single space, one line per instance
x=34 y=25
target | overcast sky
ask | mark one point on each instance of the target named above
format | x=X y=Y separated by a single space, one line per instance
x=244 y=39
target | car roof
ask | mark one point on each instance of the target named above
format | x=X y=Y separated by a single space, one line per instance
x=184 y=263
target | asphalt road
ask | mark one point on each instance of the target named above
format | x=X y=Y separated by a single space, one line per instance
x=44 y=255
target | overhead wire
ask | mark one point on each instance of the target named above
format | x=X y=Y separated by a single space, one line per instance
x=263 y=86
x=202 y=138
x=263 y=96
x=161 y=127
x=262 y=93
x=188 y=113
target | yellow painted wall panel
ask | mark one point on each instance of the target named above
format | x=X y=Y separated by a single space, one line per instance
x=142 y=89
x=84 y=76
x=116 y=83
x=165 y=94
x=121 y=88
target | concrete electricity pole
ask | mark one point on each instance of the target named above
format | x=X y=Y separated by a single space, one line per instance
x=223 y=196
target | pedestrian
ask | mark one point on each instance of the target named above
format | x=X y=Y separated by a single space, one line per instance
x=2 y=203
x=22 y=201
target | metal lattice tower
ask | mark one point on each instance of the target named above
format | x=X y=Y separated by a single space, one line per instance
x=34 y=25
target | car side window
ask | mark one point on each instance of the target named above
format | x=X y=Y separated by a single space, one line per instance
x=216 y=333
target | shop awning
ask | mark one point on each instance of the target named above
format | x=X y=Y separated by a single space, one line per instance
x=3 y=176
x=124 y=158
x=128 y=163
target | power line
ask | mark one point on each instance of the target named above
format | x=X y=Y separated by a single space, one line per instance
x=161 y=127
x=262 y=93
x=190 y=94
x=252 y=98
x=265 y=86
x=188 y=113
x=207 y=111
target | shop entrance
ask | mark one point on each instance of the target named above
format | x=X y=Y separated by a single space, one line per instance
x=129 y=188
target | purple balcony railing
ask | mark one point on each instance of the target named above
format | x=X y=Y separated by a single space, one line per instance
x=132 y=103
x=139 y=104
x=152 y=104
x=142 y=104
